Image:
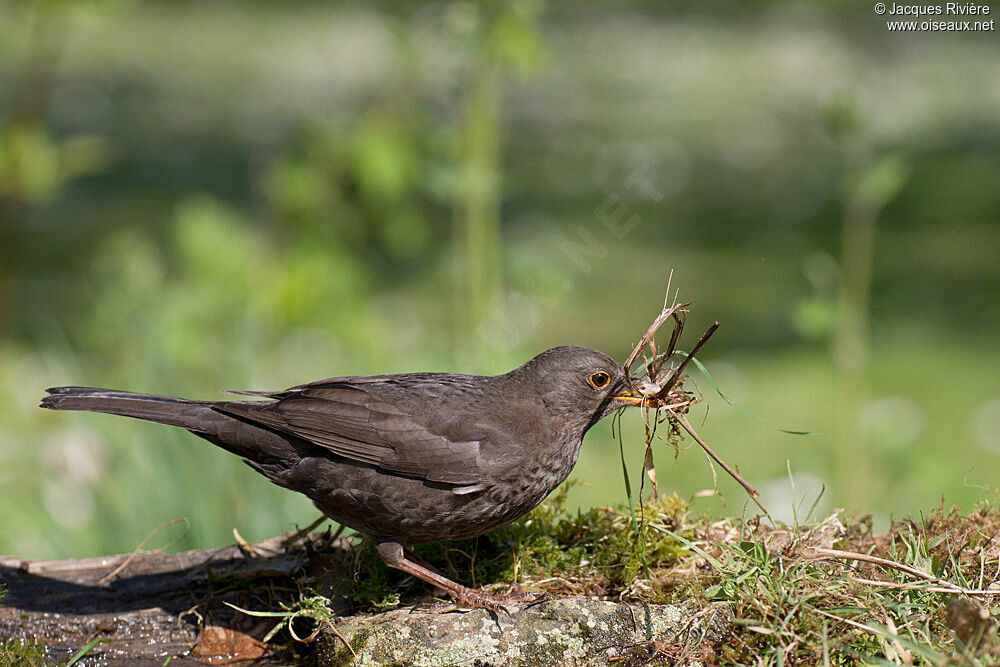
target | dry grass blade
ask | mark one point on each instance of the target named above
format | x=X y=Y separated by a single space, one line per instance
x=664 y=315
x=679 y=371
x=885 y=562
x=131 y=557
x=987 y=592
x=938 y=585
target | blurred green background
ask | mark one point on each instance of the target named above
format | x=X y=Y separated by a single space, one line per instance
x=198 y=196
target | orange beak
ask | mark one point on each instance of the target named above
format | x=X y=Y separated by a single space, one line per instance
x=628 y=397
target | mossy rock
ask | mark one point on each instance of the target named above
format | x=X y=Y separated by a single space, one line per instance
x=571 y=631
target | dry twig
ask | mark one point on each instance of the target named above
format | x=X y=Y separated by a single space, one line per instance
x=125 y=563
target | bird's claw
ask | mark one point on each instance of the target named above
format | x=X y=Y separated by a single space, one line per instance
x=475 y=599
x=465 y=600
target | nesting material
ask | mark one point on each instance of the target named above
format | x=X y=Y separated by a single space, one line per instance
x=666 y=398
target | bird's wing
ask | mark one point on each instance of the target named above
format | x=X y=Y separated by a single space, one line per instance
x=352 y=418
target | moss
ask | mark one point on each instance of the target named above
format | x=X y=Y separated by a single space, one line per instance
x=21 y=653
x=599 y=550
x=336 y=654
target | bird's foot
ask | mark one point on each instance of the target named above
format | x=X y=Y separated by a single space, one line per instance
x=469 y=597
x=435 y=607
x=465 y=600
x=517 y=594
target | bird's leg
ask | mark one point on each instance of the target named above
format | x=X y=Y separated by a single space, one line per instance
x=409 y=555
x=394 y=556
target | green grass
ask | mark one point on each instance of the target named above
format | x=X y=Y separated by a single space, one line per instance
x=21 y=653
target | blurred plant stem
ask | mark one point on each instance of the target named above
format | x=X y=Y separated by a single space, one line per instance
x=477 y=214
x=47 y=43
x=851 y=349
x=502 y=37
x=871 y=184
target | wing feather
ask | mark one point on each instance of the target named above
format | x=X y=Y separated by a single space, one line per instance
x=357 y=421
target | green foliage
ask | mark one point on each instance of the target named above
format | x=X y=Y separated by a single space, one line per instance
x=35 y=165
x=598 y=546
x=364 y=188
x=21 y=652
x=82 y=653
x=880 y=183
x=314 y=608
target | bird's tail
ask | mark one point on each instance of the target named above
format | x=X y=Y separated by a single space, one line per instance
x=180 y=412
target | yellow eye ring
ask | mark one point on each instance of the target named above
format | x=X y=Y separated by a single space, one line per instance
x=599 y=380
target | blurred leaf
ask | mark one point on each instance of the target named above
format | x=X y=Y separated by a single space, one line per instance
x=515 y=36
x=840 y=115
x=215 y=243
x=34 y=165
x=29 y=163
x=407 y=234
x=385 y=160
x=81 y=155
x=880 y=183
x=130 y=263
x=815 y=317
x=315 y=286
x=297 y=188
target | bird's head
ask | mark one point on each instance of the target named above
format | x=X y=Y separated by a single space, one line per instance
x=584 y=384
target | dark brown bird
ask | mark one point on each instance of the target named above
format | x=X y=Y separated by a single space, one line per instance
x=410 y=458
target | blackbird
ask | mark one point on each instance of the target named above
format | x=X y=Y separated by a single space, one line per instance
x=409 y=458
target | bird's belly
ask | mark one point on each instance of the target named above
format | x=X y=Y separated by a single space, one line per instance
x=414 y=511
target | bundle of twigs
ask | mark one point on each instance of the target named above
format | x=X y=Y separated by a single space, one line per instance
x=665 y=398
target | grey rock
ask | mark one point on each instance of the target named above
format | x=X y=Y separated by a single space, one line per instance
x=555 y=632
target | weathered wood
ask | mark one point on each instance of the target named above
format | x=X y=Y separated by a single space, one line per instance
x=159 y=606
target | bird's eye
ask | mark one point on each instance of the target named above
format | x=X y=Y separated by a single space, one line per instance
x=599 y=380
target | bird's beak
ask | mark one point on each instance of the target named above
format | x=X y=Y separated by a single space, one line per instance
x=629 y=397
